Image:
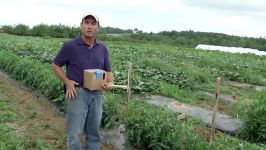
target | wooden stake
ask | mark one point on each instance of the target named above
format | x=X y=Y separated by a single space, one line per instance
x=218 y=88
x=128 y=86
x=129 y=81
x=119 y=86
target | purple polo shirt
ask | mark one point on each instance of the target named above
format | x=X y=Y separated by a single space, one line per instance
x=78 y=56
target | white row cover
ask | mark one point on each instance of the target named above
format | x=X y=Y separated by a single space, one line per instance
x=231 y=49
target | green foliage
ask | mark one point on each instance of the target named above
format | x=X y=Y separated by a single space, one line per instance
x=61 y=31
x=31 y=112
x=5 y=112
x=33 y=73
x=192 y=39
x=149 y=127
x=40 y=30
x=182 y=39
x=108 y=30
x=255 y=121
x=110 y=110
x=177 y=78
x=21 y=29
x=57 y=31
x=8 y=29
x=9 y=139
x=227 y=142
x=185 y=68
x=30 y=76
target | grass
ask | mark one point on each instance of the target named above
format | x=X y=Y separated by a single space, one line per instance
x=10 y=139
x=31 y=112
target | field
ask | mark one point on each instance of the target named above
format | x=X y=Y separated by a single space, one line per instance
x=181 y=73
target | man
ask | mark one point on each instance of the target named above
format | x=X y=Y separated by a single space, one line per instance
x=84 y=107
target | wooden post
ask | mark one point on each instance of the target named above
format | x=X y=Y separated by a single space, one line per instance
x=129 y=81
x=218 y=88
x=128 y=86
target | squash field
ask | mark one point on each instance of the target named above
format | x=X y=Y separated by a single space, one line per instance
x=180 y=73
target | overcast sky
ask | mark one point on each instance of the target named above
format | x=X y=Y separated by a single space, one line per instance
x=233 y=17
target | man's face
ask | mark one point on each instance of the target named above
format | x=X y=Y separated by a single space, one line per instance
x=89 y=27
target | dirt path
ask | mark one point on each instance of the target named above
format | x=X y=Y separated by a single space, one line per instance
x=38 y=120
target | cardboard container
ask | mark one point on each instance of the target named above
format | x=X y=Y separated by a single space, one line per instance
x=94 y=78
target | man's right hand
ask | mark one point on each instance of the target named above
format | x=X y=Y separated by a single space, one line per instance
x=70 y=89
x=70 y=84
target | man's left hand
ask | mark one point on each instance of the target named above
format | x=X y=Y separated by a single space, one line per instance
x=108 y=86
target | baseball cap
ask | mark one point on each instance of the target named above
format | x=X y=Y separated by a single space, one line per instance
x=92 y=15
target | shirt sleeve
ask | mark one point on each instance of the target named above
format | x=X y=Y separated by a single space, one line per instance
x=62 y=57
x=107 y=63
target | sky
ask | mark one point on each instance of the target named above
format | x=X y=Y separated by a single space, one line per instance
x=232 y=17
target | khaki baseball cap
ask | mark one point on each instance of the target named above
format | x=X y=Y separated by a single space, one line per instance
x=92 y=15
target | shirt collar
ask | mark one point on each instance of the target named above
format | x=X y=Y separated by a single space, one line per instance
x=81 y=42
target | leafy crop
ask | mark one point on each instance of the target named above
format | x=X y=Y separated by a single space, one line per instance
x=255 y=121
x=149 y=130
x=156 y=69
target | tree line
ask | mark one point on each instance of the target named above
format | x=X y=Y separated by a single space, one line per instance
x=57 y=31
x=175 y=38
x=192 y=39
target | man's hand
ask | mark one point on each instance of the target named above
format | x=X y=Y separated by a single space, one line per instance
x=70 y=84
x=108 y=86
x=70 y=89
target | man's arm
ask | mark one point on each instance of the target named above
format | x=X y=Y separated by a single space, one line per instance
x=70 y=84
x=109 y=82
x=110 y=77
x=59 y=72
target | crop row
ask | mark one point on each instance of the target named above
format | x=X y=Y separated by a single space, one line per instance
x=147 y=126
x=180 y=66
